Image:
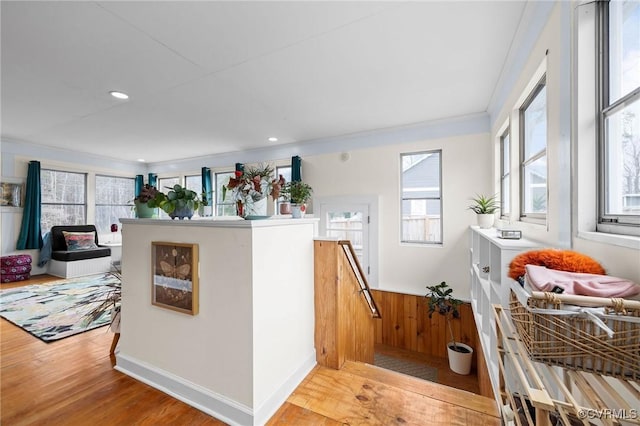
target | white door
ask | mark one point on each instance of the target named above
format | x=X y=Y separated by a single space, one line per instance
x=350 y=221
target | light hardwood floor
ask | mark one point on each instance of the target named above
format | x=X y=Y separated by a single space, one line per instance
x=72 y=382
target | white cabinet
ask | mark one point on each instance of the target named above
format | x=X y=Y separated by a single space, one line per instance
x=489 y=258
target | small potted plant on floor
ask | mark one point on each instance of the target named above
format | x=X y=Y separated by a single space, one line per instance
x=441 y=300
x=300 y=193
x=484 y=207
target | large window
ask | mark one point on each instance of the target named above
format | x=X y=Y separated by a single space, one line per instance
x=619 y=77
x=165 y=185
x=505 y=180
x=533 y=154
x=224 y=207
x=63 y=198
x=421 y=197
x=114 y=199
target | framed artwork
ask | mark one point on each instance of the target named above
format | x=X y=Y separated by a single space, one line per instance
x=174 y=279
x=12 y=192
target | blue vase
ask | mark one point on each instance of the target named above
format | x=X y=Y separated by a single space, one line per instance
x=181 y=213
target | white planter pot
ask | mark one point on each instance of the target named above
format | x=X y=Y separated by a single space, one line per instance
x=485 y=221
x=460 y=362
x=258 y=208
x=298 y=210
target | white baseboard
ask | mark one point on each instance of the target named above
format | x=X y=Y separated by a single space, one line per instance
x=212 y=403
x=263 y=413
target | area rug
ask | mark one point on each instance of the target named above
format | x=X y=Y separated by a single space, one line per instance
x=410 y=368
x=60 y=309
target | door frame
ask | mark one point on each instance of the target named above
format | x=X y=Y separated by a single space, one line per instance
x=373 y=202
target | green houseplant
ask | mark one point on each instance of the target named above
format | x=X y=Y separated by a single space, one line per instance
x=484 y=207
x=178 y=202
x=148 y=193
x=299 y=192
x=440 y=299
x=250 y=188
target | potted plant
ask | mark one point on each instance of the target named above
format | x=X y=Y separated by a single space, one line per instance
x=148 y=193
x=299 y=193
x=250 y=189
x=285 y=200
x=178 y=202
x=440 y=299
x=484 y=207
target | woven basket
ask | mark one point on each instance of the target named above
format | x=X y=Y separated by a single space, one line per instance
x=563 y=330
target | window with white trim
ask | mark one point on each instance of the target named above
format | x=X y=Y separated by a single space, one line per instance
x=619 y=118
x=63 y=198
x=114 y=199
x=505 y=179
x=533 y=155
x=421 y=197
x=224 y=207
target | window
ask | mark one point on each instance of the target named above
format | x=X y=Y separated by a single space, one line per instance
x=194 y=183
x=619 y=136
x=224 y=207
x=285 y=171
x=114 y=199
x=505 y=182
x=533 y=154
x=421 y=197
x=63 y=198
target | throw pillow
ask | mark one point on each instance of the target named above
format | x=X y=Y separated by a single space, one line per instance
x=80 y=240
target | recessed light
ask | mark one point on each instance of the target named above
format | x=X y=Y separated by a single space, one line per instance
x=273 y=139
x=119 y=95
x=141 y=160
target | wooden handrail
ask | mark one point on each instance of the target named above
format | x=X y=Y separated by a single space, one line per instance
x=360 y=276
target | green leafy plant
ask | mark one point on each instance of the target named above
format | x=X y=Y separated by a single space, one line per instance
x=177 y=198
x=148 y=192
x=440 y=299
x=299 y=192
x=484 y=205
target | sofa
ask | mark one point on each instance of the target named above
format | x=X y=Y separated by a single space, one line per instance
x=76 y=251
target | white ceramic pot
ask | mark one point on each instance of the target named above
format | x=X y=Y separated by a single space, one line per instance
x=258 y=208
x=298 y=210
x=485 y=221
x=460 y=362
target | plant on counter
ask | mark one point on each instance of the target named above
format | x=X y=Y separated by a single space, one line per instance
x=484 y=205
x=253 y=184
x=299 y=192
x=178 y=202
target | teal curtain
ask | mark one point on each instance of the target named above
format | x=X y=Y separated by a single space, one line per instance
x=153 y=179
x=206 y=186
x=30 y=232
x=239 y=167
x=296 y=169
x=139 y=184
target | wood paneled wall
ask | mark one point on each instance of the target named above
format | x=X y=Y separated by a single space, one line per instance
x=406 y=324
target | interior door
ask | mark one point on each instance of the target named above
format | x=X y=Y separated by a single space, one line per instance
x=348 y=222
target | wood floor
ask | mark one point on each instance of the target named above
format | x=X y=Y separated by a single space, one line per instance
x=72 y=382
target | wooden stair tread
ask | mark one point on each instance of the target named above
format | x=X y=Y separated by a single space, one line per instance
x=426 y=388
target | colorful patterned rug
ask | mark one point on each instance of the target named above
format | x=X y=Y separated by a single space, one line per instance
x=60 y=309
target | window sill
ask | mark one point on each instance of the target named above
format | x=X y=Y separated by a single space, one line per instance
x=612 y=239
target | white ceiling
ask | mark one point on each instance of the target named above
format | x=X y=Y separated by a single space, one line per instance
x=214 y=77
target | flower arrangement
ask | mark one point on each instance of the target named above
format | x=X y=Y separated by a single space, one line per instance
x=253 y=184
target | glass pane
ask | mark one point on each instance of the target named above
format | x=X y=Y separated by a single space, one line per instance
x=222 y=179
x=194 y=183
x=624 y=45
x=114 y=190
x=166 y=184
x=107 y=215
x=535 y=186
x=62 y=187
x=421 y=175
x=623 y=161
x=344 y=220
x=505 y=201
x=421 y=221
x=285 y=171
x=535 y=125
x=505 y=154
x=53 y=215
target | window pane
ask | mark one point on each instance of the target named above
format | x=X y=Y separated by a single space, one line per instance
x=505 y=201
x=421 y=197
x=624 y=45
x=623 y=161
x=62 y=187
x=504 y=172
x=166 y=184
x=535 y=125
x=194 y=183
x=107 y=215
x=114 y=190
x=61 y=214
x=535 y=186
x=222 y=208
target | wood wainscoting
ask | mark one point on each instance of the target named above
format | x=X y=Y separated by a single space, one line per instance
x=406 y=324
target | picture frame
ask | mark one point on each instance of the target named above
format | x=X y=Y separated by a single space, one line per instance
x=174 y=276
x=12 y=191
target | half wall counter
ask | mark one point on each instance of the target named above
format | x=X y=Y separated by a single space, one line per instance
x=247 y=341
